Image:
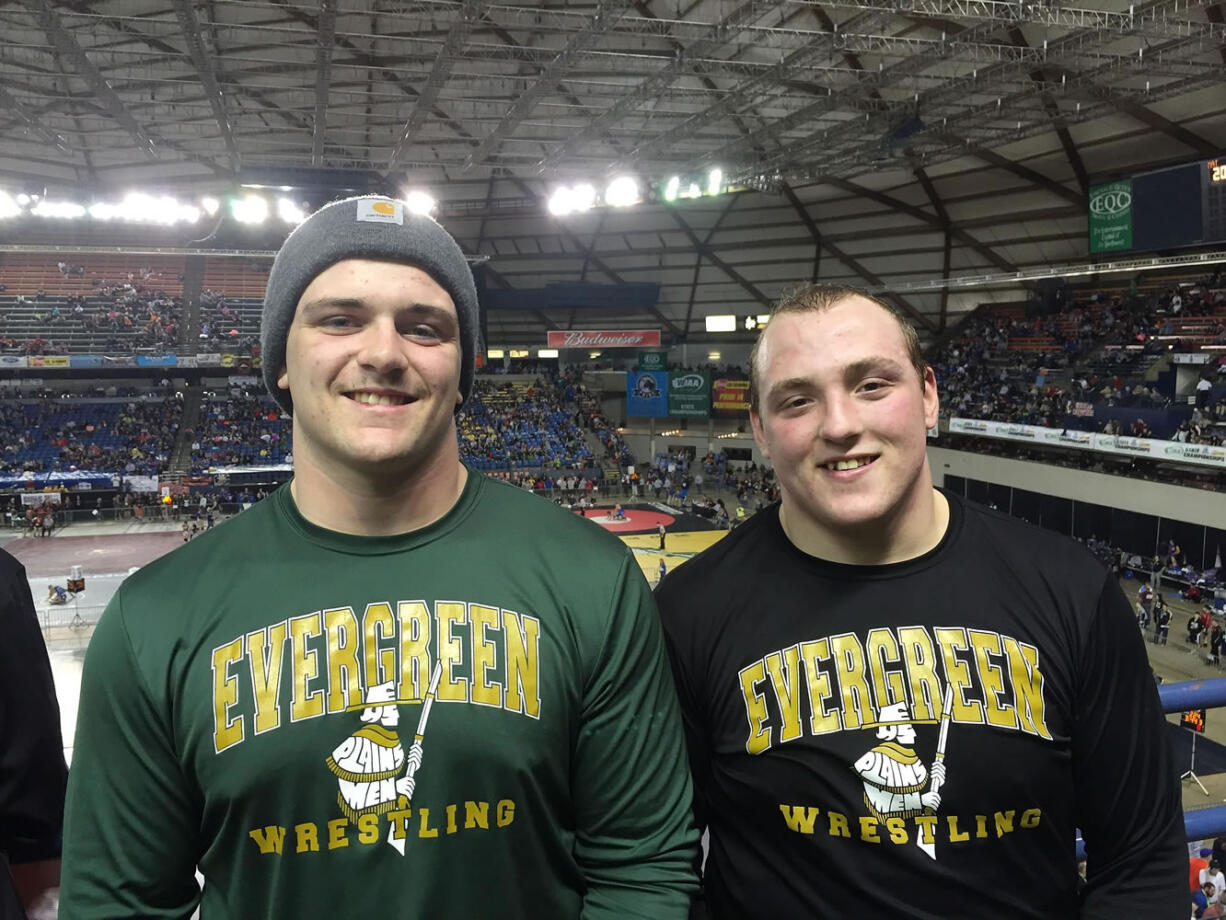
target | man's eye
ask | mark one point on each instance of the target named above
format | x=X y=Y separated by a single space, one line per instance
x=338 y=322
x=422 y=331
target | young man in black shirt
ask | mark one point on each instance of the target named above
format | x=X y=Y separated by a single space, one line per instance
x=898 y=703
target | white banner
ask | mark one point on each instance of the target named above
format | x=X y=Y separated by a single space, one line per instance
x=34 y=499
x=142 y=483
x=1154 y=449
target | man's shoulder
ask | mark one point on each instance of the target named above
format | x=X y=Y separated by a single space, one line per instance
x=710 y=568
x=205 y=558
x=994 y=531
x=536 y=521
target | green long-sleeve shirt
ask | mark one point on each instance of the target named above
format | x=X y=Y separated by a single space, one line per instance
x=250 y=702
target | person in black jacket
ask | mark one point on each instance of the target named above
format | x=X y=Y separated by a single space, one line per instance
x=33 y=773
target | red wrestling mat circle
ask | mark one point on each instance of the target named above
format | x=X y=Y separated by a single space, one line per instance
x=638 y=520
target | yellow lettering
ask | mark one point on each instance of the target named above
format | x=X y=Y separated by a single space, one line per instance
x=981 y=826
x=423 y=826
x=897 y=828
x=450 y=651
x=265 y=652
x=377 y=624
x=755 y=707
x=506 y=812
x=1030 y=817
x=920 y=660
x=269 y=839
x=799 y=818
x=821 y=720
x=399 y=820
x=522 y=636
x=952 y=640
x=451 y=828
x=848 y=657
x=336 y=833
x=868 y=829
x=838 y=824
x=1027 y=682
x=485 y=692
x=476 y=814
x=785 y=677
x=1004 y=822
x=881 y=651
x=926 y=825
x=226 y=730
x=368 y=828
x=414 y=649
x=992 y=677
x=306 y=668
x=308 y=837
x=344 y=678
x=955 y=835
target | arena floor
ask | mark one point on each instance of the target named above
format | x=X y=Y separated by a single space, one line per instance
x=109 y=552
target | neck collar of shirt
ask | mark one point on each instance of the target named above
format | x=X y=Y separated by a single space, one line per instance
x=355 y=544
x=957 y=516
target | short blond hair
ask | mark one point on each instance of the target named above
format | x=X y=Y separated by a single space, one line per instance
x=818 y=298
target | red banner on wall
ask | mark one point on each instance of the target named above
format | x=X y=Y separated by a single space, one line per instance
x=729 y=395
x=604 y=338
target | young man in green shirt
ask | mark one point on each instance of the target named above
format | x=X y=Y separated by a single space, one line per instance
x=379 y=693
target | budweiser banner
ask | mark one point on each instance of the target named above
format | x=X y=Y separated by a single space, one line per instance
x=605 y=338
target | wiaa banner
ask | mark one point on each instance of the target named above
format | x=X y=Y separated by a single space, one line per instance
x=730 y=396
x=689 y=394
x=646 y=395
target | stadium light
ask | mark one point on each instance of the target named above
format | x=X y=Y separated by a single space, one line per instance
x=289 y=211
x=671 y=188
x=419 y=202
x=145 y=209
x=23 y=199
x=68 y=210
x=763 y=319
x=8 y=207
x=210 y=205
x=622 y=192
x=713 y=356
x=495 y=353
x=715 y=181
x=250 y=209
x=546 y=352
x=721 y=323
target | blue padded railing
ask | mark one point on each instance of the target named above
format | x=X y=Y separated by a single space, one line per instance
x=1201 y=823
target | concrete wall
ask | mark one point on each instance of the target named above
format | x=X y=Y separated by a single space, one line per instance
x=1180 y=503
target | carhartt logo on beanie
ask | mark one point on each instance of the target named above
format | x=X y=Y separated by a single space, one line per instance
x=367 y=227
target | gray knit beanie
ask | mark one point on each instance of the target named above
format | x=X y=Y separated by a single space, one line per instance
x=366 y=227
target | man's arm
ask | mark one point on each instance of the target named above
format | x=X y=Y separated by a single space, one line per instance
x=32 y=768
x=635 y=839
x=131 y=826
x=1126 y=788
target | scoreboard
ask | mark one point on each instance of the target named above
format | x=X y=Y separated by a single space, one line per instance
x=1165 y=209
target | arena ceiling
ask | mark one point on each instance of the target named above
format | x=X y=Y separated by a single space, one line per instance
x=883 y=141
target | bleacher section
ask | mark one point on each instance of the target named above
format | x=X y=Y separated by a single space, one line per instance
x=236 y=277
x=520 y=425
x=239 y=429
x=28 y=273
x=109 y=435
